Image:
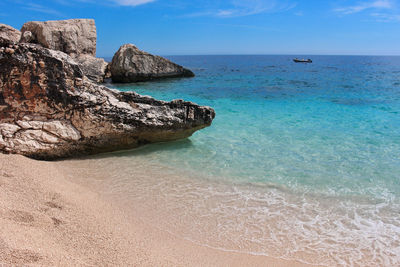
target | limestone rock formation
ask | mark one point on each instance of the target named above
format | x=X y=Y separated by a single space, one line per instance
x=130 y=64
x=49 y=109
x=74 y=36
x=94 y=68
x=9 y=33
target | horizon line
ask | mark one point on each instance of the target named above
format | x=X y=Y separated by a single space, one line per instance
x=332 y=55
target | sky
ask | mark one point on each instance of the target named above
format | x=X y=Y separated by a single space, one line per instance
x=209 y=27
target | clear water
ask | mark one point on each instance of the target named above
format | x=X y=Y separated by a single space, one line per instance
x=302 y=160
x=331 y=127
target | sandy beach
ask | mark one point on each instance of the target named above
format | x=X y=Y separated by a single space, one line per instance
x=174 y=133
x=48 y=220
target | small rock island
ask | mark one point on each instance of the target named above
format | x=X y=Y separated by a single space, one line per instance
x=130 y=64
x=52 y=104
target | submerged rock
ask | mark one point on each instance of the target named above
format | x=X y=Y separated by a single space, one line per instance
x=130 y=64
x=49 y=109
x=74 y=36
x=9 y=33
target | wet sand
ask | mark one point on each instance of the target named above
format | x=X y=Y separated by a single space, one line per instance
x=45 y=219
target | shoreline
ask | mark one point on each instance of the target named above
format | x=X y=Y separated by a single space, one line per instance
x=46 y=219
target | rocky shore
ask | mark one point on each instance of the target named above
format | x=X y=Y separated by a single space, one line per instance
x=52 y=105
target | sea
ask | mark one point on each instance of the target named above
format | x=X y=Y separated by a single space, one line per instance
x=302 y=161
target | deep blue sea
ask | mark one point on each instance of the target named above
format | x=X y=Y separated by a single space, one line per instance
x=320 y=139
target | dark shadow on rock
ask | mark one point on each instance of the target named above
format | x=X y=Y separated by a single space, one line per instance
x=158 y=81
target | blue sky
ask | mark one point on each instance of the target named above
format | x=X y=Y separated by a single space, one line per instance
x=190 y=27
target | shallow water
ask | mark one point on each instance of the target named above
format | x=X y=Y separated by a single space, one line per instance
x=301 y=162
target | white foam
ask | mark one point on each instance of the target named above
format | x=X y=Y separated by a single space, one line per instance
x=252 y=218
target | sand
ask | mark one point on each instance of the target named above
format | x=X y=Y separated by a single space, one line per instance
x=47 y=220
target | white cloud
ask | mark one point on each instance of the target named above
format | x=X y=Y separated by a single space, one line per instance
x=252 y=7
x=381 y=10
x=132 y=2
x=377 y=4
x=241 y=8
x=299 y=13
x=42 y=9
x=383 y=17
x=225 y=13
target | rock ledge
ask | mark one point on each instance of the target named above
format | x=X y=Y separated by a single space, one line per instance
x=49 y=109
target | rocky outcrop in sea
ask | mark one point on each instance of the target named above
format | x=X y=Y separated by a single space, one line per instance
x=130 y=64
x=50 y=109
x=77 y=38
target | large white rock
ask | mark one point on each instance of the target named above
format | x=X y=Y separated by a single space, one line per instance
x=74 y=36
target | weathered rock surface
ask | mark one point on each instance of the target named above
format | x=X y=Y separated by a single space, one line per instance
x=74 y=36
x=130 y=64
x=27 y=37
x=9 y=33
x=94 y=68
x=49 y=109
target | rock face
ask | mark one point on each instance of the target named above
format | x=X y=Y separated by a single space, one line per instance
x=49 y=109
x=74 y=37
x=94 y=68
x=27 y=37
x=130 y=64
x=9 y=33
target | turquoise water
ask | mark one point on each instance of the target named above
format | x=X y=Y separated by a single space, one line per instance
x=301 y=162
x=330 y=128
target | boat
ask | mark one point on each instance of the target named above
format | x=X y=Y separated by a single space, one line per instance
x=302 y=60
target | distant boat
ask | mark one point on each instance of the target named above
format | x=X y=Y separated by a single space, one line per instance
x=302 y=60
